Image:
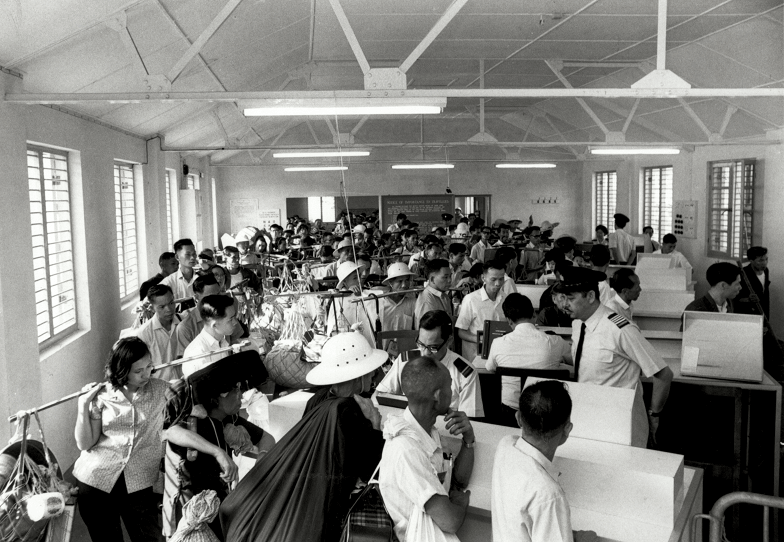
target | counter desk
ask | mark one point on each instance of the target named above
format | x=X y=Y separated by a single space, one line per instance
x=620 y=492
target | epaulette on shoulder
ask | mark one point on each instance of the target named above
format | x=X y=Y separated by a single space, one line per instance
x=618 y=320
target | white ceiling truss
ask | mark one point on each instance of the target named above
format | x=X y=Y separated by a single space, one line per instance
x=558 y=74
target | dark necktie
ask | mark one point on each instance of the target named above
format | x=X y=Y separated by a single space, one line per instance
x=578 y=354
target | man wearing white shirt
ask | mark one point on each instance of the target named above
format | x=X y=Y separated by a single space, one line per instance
x=418 y=489
x=434 y=340
x=483 y=304
x=158 y=333
x=668 y=247
x=398 y=225
x=524 y=348
x=192 y=323
x=622 y=245
x=457 y=262
x=626 y=289
x=478 y=250
x=527 y=501
x=220 y=320
x=181 y=281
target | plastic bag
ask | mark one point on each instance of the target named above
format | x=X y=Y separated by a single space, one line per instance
x=196 y=517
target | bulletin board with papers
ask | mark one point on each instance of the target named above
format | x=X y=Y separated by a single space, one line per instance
x=684 y=219
x=246 y=212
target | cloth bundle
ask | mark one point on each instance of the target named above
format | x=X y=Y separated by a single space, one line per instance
x=197 y=514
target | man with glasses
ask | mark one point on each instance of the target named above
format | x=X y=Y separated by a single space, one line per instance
x=478 y=250
x=434 y=340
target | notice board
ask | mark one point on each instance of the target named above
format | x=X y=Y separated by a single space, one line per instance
x=684 y=218
x=424 y=210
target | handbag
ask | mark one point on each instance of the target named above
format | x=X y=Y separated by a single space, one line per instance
x=367 y=519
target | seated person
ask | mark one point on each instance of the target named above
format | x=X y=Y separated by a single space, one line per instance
x=414 y=477
x=668 y=247
x=546 y=300
x=524 y=348
x=168 y=264
x=218 y=389
x=551 y=258
x=626 y=289
x=528 y=503
x=601 y=236
x=238 y=274
x=554 y=315
x=483 y=304
x=435 y=340
x=724 y=281
x=299 y=491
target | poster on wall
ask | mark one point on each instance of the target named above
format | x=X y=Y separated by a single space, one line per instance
x=266 y=218
x=243 y=213
x=424 y=210
x=684 y=218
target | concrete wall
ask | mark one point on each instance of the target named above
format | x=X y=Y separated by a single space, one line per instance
x=690 y=171
x=511 y=190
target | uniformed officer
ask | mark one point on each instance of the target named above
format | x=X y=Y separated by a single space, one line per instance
x=610 y=351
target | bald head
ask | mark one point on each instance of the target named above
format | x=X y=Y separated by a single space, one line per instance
x=421 y=378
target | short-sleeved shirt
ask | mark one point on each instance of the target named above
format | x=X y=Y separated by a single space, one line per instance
x=614 y=351
x=180 y=287
x=475 y=309
x=532 y=259
x=605 y=292
x=430 y=300
x=466 y=393
x=204 y=343
x=478 y=252
x=624 y=243
x=527 y=502
x=130 y=441
x=679 y=260
x=162 y=344
x=411 y=466
x=525 y=348
x=189 y=328
x=619 y=306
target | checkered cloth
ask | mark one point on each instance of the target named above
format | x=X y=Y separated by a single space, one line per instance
x=368 y=511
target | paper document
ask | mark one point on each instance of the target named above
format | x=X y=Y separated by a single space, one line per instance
x=689 y=358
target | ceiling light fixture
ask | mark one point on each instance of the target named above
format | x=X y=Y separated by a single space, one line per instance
x=310 y=107
x=317 y=168
x=637 y=150
x=320 y=154
x=423 y=166
x=524 y=165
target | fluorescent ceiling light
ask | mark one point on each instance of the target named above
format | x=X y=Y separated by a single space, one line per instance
x=423 y=166
x=308 y=107
x=524 y=165
x=638 y=150
x=319 y=154
x=317 y=168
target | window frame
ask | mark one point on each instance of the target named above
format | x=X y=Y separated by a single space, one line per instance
x=170 y=181
x=646 y=221
x=609 y=223
x=72 y=328
x=735 y=192
x=123 y=284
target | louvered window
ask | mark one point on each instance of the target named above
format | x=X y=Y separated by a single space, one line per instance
x=125 y=220
x=604 y=191
x=170 y=181
x=50 y=220
x=657 y=199
x=731 y=208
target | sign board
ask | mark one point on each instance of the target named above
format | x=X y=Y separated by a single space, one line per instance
x=424 y=210
x=246 y=212
x=684 y=218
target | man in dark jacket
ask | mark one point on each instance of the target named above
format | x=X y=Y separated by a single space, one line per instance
x=758 y=277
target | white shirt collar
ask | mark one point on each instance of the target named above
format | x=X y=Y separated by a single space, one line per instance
x=620 y=301
x=523 y=446
x=425 y=439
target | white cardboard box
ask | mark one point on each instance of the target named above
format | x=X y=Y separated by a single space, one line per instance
x=725 y=346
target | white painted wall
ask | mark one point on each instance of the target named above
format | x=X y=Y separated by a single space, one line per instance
x=511 y=190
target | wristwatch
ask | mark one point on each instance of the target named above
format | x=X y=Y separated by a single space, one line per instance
x=653 y=414
x=468 y=444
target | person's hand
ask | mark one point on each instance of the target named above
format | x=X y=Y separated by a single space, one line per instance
x=88 y=393
x=236 y=348
x=369 y=411
x=585 y=536
x=227 y=466
x=356 y=290
x=653 y=427
x=460 y=498
x=457 y=423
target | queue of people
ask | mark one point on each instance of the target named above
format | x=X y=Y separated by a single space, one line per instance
x=442 y=288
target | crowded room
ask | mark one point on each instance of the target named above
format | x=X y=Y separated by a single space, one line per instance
x=413 y=271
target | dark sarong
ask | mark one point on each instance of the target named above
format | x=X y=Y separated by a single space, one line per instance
x=299 y=492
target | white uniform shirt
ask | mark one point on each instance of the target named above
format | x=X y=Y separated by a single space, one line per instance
x=525 y=348
x=204 y=343
x=527 y=502
x=605 y=292
x=619 y=306
x=411 y=466
x=475 y=309
x=180 y=287
x=466 y=394
x=678 y=258
x=624 y=244
x=162 y=344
